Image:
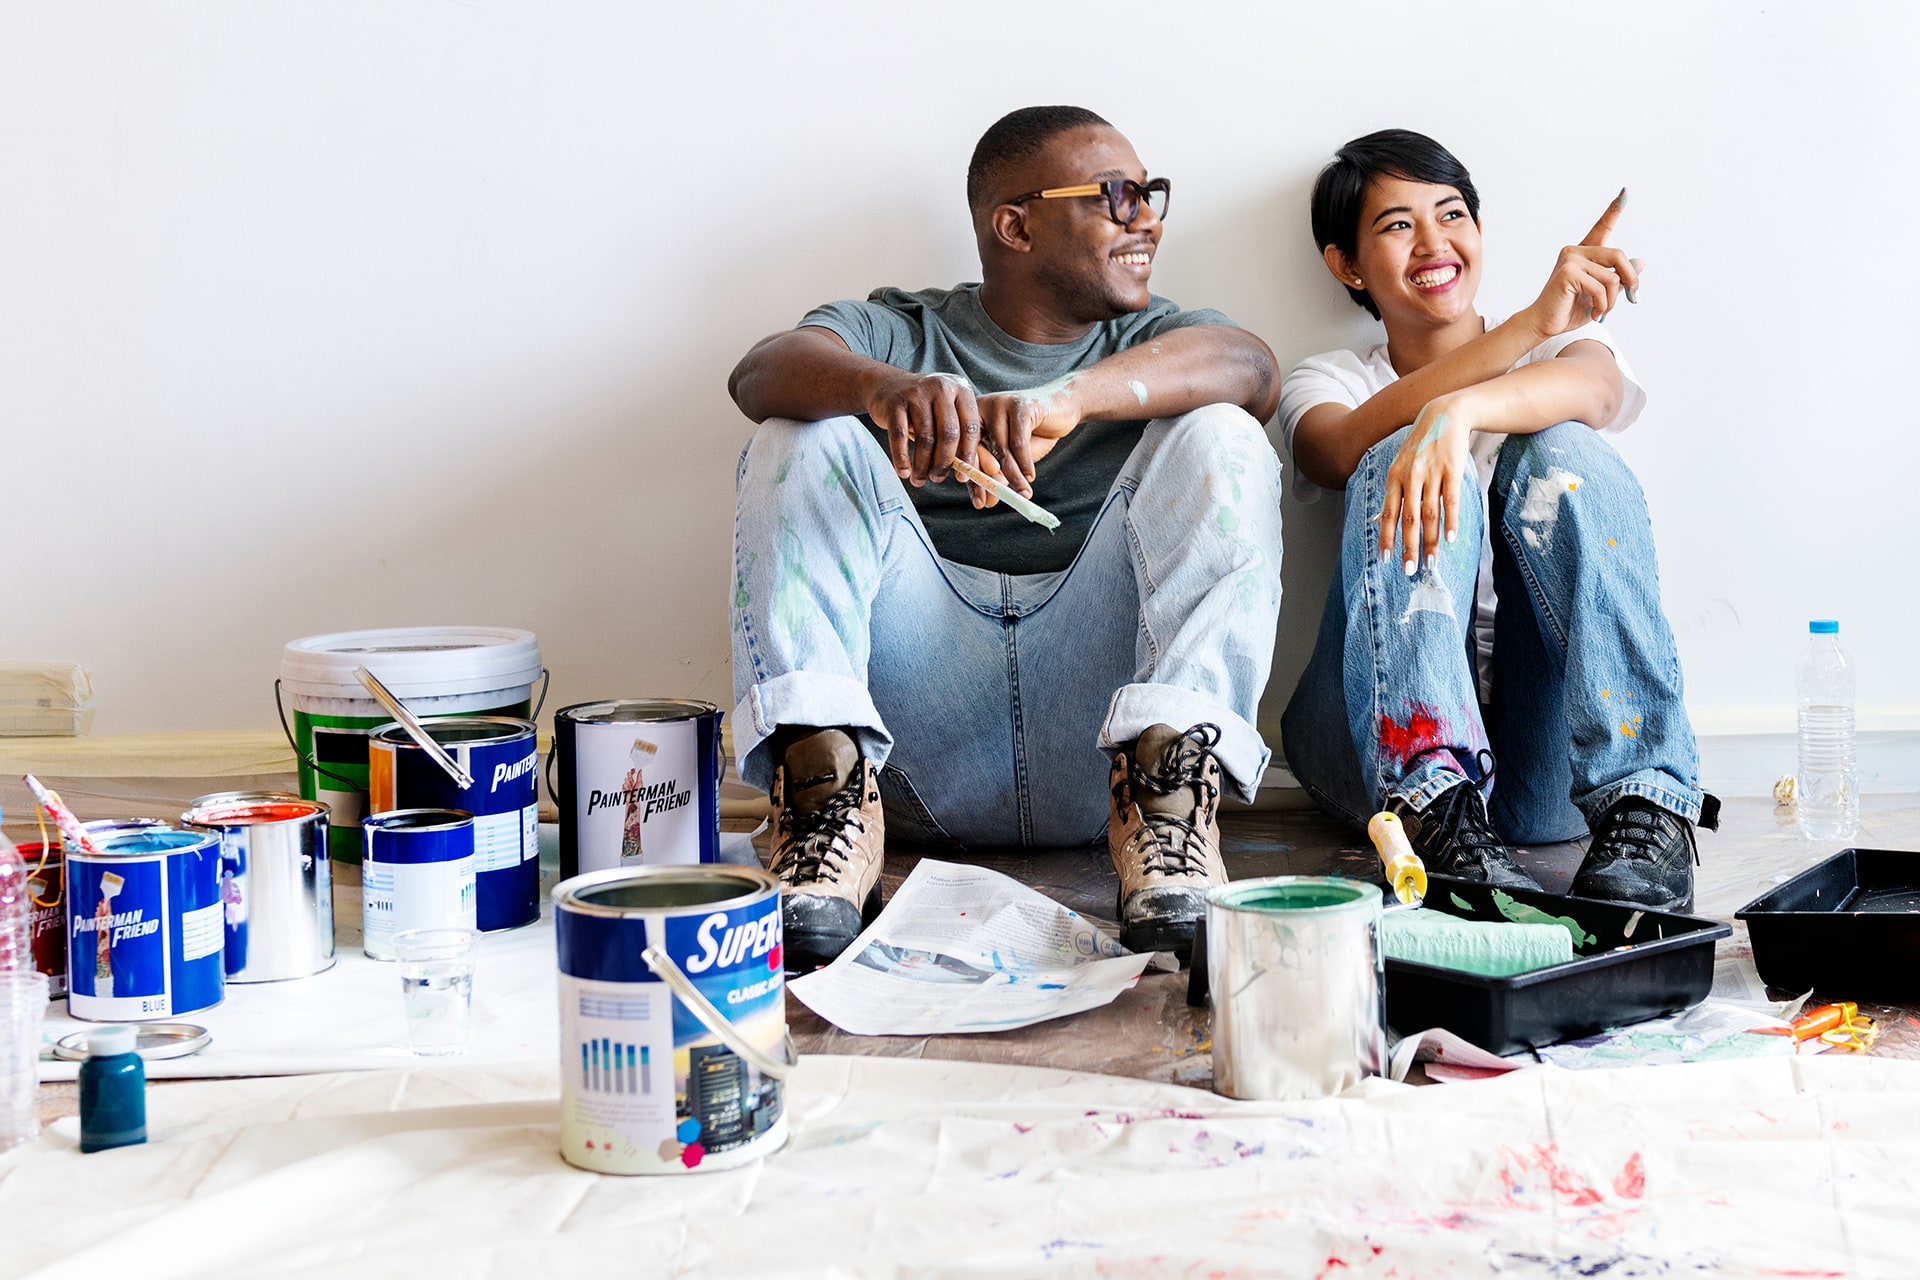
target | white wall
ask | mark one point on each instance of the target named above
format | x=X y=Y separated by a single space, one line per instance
x=330 y=315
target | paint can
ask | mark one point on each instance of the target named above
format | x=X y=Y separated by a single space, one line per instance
x=417 y=873
x=276 y=882
x=502 y=757
x=645 y=1086
x=46 y=912
x=1298 y=982
x=145 y=928
x=436 y=671
x=639 y=784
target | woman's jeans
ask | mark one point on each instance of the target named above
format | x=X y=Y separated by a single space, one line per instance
x=1586 y=693
x=986 y=699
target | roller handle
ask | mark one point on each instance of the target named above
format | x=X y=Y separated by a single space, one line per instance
x=1406 y=874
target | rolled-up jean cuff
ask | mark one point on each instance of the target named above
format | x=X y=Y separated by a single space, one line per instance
x=1135 y=708
x=803 y=698
x=1649 y=784
x=1424 y=785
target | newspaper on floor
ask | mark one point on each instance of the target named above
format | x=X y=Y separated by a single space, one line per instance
x=962 y=948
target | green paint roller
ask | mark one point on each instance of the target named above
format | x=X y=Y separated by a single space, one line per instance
x=1490 y=948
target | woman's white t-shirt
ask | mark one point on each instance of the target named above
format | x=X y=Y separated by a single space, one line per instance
x=1351 y=378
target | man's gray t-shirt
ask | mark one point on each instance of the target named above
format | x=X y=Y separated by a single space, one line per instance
x=948 y=331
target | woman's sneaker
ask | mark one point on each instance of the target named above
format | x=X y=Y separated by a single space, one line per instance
x=1641 y=855
x=829 y=844
x=1163 y=833
x=1453 y=837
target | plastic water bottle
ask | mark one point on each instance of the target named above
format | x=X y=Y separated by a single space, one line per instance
x=16 y=911
x=1828 y=781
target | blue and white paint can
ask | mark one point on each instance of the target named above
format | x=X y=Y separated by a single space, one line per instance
x=145 y=926
x=417 y=872
x=639 y=783
x=644 y=1086
x=499 y=753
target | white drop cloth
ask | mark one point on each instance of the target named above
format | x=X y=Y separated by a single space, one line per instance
x=920 y=1168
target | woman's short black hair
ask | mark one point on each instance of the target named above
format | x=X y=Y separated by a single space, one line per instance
x=1341 y=190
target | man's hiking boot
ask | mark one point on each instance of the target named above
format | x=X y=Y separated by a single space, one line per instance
x=1453 y=837
x=1163 y=832
x=1641 y=855
x=829 y=842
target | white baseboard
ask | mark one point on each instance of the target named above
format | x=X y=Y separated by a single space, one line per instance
x=1742 y=753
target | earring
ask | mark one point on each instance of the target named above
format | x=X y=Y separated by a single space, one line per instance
x=1357 y=283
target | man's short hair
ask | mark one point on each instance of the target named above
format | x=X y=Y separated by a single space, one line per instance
x=1015 y=138
x=1341 y=190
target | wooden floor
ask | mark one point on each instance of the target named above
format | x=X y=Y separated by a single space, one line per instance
x=1151 y=1032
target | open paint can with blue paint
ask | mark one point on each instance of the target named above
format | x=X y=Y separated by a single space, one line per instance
x=146 y=930
x=1299 y=986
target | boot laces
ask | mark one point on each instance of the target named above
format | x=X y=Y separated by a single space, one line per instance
x=1177 y=848
x=1456 y=833
x=1636 y=830
x=822 y=841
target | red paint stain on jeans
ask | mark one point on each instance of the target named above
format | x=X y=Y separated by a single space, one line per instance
x=1422 y=732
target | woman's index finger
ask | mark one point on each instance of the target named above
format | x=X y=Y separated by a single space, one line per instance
x=1603 y=229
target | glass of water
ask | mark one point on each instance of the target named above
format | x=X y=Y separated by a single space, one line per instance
x=436 y=983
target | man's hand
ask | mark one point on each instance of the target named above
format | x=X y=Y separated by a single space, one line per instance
x=1423 y=483
x=930 y=419
x=1020 y=428
x=1587 y=279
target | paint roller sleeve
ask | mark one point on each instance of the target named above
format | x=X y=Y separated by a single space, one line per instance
x=1492 y=949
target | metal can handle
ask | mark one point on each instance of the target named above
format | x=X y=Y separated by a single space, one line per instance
x=702 y=1008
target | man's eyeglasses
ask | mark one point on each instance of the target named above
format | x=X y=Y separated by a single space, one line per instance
x=1124 y=196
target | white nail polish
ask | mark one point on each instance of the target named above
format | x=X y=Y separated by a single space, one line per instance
x=1409 y=566
x=1451 y=533
x=1433 y=561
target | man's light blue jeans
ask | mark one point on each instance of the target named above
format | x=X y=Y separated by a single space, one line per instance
x=987 y=700
x=1586 y=704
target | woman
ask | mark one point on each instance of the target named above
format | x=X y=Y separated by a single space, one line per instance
x=1497 y=596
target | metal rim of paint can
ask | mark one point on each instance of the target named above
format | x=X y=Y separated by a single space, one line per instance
x=751 y=883
x=173 y=874
x=1298 y=980
x=277 y=882
x=445 y=884
x=496 y=750
x=721 y=926
x=587 y=847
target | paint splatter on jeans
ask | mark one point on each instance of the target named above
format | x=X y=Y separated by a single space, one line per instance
x=1579 y=612
x=987 y=698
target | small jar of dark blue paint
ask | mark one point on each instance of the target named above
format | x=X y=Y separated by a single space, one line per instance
x=113 y=1091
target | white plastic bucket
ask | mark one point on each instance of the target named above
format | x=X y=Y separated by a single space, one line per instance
x=435 y=671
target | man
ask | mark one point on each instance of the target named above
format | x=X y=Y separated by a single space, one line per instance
x=910 y=652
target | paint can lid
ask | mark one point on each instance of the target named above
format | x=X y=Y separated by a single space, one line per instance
x=414 y=662
x=105 y=1042
x=1824 y=627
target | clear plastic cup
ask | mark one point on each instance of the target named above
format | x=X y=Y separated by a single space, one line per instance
x=436 y=985
x=23 y=1008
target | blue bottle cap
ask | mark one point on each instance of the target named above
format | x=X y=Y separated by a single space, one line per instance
x=1823 y=627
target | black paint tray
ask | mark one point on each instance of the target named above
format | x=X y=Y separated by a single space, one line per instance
x=1847 y=928
x=1641 y=964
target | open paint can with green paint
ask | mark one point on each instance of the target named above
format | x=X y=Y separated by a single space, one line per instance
x=1298 y=982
